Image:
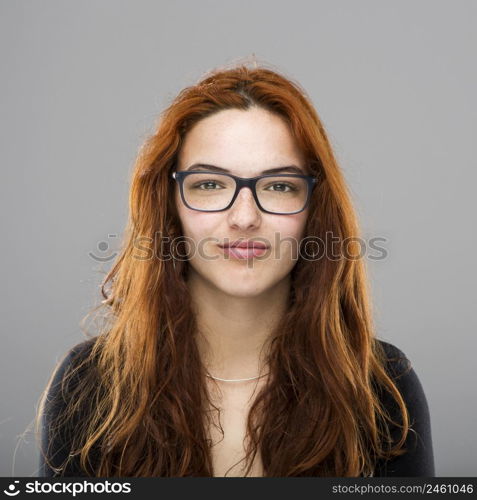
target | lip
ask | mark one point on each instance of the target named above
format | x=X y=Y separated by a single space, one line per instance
x=243 y=253
x=244 y=244
x=248 y=249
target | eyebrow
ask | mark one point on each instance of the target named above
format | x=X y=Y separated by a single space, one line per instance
x=288 y=168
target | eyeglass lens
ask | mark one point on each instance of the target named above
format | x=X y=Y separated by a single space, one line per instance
x=208 y=191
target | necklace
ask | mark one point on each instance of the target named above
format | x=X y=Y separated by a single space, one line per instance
x=235 y=379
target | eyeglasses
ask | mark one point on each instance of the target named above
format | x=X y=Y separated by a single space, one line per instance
x=283 y=194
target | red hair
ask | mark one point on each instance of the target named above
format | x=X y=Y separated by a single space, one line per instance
x=144 y=393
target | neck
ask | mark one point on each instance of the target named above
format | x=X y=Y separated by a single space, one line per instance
x=234 y=332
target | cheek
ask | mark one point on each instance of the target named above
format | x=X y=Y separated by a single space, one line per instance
x=290 y=226
x=287 y=236
x=200 y=229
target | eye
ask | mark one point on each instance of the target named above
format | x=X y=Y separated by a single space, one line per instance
x=290 y=187
x=200 y=185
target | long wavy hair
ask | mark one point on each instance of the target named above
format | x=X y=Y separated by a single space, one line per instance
x=138 y=400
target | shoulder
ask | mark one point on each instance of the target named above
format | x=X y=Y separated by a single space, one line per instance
x=65 y=374
x=396 y=361
x=74 y=356
x=403 y=373
x=393 y=353
x=80 y=351
x=55 y=435
x=419 y=460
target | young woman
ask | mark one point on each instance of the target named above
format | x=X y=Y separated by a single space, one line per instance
x=230 y=348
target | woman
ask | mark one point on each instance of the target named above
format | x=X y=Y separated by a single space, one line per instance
x=230 y=349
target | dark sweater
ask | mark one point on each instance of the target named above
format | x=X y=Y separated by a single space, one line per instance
x=417 y=461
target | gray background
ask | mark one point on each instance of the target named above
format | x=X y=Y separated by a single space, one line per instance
x=394 y=83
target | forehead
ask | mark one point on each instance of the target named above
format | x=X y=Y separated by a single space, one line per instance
x=243 y=142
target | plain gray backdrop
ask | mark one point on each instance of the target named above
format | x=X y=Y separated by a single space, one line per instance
x=82 y=83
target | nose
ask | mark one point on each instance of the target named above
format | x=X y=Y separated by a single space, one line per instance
x=244 y=212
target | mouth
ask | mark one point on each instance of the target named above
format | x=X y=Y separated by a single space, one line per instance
x=244 y=249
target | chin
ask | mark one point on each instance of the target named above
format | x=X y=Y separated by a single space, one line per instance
x=240 y=281
x=241 y=285
x=242 y=292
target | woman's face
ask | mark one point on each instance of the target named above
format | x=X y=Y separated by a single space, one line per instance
x=245 y=143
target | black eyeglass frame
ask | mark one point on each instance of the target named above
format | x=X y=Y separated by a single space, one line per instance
x=241 y=182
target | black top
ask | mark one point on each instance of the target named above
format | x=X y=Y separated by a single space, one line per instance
x=417 y=461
